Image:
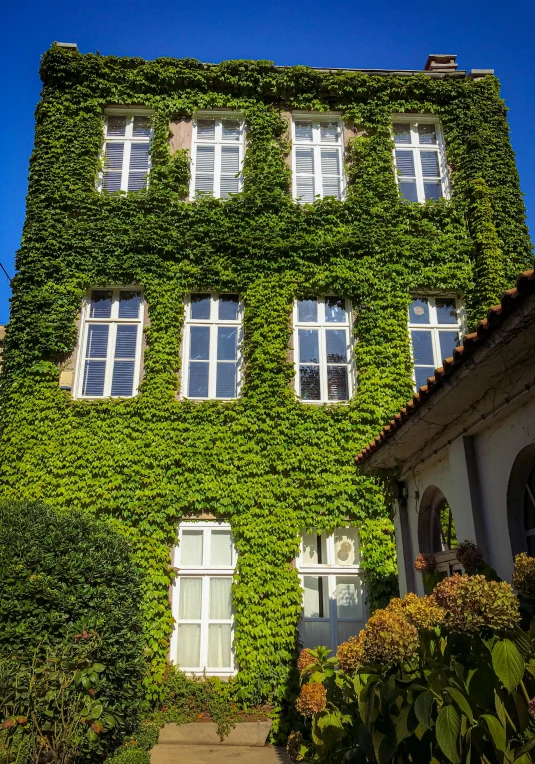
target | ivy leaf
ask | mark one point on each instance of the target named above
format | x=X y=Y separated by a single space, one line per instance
x=508 y=664
x=448 y=732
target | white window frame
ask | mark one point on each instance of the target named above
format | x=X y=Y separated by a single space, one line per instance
x=113 y=321
x=435 y=327
x=330 y=571
x=128 y=139
x=317 y=118
x=414 y=120
x=219 y=117
x=322 y=325
x=205 y=572
x=214 y=323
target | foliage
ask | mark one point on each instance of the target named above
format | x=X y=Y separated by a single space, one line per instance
x=136 y=748
x=55 y=709
x=267 y=463
x=459 y=693
x=69 y=578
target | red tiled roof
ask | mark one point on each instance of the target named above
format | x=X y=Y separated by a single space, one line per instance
x=510 y=302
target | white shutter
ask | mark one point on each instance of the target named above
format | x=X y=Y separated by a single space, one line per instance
x=113 y=165
x=330 y=172
x=204 y=169
x=330 y=132
x=230 y=130
x=139 y=166
x=303 y=131
x=230 y=167
x=206 y=129
x=304 y=175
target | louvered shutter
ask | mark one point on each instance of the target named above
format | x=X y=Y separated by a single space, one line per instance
x=230 y=167
x=95 y=360
x=124 y=360
x=204 y=169
x=139 y=166
x=304 y=175
x=113 y=167
x=330 y=172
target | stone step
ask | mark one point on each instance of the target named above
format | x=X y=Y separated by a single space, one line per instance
x=220 y=754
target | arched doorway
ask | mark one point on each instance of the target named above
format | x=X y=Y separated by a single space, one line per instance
x=436 y=530
x=521 y=502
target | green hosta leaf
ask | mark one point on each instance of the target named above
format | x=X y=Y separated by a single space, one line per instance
x=496 y=730
x=508 y=664
x=424 y=708
x=448 y=731
x=461 y=701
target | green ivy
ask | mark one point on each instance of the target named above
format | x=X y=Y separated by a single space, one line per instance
x=267 y=463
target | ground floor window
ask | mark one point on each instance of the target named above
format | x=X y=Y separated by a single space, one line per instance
x=333 y=602
x=202 y=605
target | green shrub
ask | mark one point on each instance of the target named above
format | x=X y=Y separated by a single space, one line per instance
x=444 y=678
x=129 y=756
x=64 y=578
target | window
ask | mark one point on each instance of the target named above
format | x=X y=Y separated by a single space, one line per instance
x=322 y=349
x=212 y=335
x=202 y=604
x=317 y=157
x=436 y=531
x=333 y=603
x=420 y=159
x=435 y=326
x=111 y=335
x=529 y=512
x=126 y=153
x=218 y=149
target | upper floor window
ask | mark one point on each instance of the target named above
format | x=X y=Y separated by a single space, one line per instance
x=420 y=158
x=202 y=603
x=126 y=152
x=333 y=606
x=110 y=342
x=317 y=157
x=322 y=349
x=435 y=325
x=217 y=155
x=212 y=335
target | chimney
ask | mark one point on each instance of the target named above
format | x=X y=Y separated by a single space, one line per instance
x=440 y=63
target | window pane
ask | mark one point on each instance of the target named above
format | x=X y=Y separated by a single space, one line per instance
x=227 y=343
x=427 y=134
x=348 y=599
x=329 y=132
x=113 y=159
x=422 y=347
x=141 y=126
x=111 y=182
x=315 y=633
x=220 y=600
x=198 y=380
x=330 y=162
x=219 y=645
x=221 y=549
x=200 y=306
x=304 y=161
x=228 y=307
x=191 y=548
x=402 y=132
x=408 y=190
x=190 y=602
x=336 y=342
x=529 y=511
x=303 y=131
x=335 y=309
x=419 y=312
x=230 y=130
x=307 y=310
x=97 y=340
x=337 y=387
x=446 y=311
x=422 y=373
x=433 y=190
x=137 y=181
x=139 y=156
x=314 y=551
x=448 y=341
x=309 y=381
x=226 y=380
x=189 y=645
x=331 y=186
x=129 y=303
x=429 y=160
x=346 y=546
x=316 y=597
x=122 y=383
x=125 y=343
x=93 y=382
x=348 y=629
x=100 y=306
x=230 y=160
x=309 y=346
x=199 y=347
x=206 y=129
x=116 y=126
x=304 y=189
x=405 y=163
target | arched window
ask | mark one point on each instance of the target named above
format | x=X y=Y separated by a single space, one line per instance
x=529 y=512
x=521 y=502
x=436 y=530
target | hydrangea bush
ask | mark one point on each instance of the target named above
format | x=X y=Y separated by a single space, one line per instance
x=448 y=677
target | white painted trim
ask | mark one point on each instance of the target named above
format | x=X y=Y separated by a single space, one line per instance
x=322 y=325
x=127 y=139
x=317 y=145
x=416 y=147
x=219 y=116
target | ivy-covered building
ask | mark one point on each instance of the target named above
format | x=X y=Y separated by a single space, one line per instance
x=219 y=270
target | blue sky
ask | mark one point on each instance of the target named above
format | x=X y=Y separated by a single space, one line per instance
x=485 y=34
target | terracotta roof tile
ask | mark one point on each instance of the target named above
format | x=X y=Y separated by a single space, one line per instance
x=511 y=301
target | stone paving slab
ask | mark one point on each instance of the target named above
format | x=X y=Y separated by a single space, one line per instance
x=221 y=754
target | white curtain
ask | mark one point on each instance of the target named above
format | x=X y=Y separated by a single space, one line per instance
x=220 y=600
x=190 y=599
x=219 y=639
x=189 y=644
x=221 y=552
x=191 y=548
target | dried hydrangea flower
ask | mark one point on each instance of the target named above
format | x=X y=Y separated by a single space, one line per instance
x=294 y=745
x=531 y=708
x=312 y=699
x=473 y=603
x=305 y=659
x=388 y=638
x=423 y=612
x=524 y=575
x=350 y=654
x=425 y=563
x=470 y=557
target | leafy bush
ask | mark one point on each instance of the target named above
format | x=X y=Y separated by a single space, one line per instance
x=444 y=678
x=136 y=749
x=66 y=578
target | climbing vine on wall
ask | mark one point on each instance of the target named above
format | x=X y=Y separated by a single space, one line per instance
x=266 y=462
